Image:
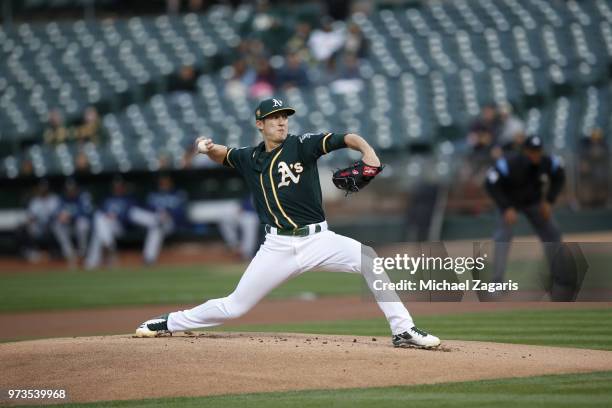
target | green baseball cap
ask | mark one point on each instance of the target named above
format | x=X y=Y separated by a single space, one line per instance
x=268 y=106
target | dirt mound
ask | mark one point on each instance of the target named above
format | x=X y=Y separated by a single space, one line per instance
x=122 y=367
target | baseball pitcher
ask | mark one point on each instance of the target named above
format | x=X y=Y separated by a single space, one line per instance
x=282 y=174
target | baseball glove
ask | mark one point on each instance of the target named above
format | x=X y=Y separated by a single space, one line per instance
x=355 y=177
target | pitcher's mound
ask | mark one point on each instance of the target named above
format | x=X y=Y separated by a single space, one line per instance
x=122 y=367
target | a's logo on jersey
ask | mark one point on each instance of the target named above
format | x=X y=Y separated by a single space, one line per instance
x=277 y=103
x=287 y=173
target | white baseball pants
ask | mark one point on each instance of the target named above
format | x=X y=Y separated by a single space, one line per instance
x=241 y=232
x=107 y=228
x=281 y=258
x=63 y=233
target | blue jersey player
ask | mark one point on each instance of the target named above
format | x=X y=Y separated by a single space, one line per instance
x=74 y=219
x=117 y=213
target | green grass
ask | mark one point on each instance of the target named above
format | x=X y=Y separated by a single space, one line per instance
x=573 y=390
x=563 y=328
x=55 y=290
x=158 y=285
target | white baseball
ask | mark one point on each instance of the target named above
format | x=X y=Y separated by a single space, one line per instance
x=202 y=146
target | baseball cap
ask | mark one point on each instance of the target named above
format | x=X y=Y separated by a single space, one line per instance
x=533 y=142
x=269 y=106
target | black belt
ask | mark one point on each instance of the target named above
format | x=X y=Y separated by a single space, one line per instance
x=296 y=232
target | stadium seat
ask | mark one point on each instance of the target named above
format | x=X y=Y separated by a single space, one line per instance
x=429 y=71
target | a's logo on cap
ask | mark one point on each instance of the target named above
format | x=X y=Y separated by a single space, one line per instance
x=277 y=103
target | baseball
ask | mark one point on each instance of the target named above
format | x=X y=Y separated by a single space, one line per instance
x=203 y=146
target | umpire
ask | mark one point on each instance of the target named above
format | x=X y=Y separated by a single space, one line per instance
x=529 y=182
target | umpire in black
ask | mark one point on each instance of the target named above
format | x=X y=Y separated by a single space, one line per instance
x=529 y=182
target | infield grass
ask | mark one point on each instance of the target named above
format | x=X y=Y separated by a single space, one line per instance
x=157 y=285
x=187 y=284
x=572 y=390
x=562 y=328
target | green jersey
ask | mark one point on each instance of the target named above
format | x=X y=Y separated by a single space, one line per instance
x=285 y=182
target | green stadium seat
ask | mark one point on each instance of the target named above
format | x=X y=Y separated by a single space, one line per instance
x=430 y=70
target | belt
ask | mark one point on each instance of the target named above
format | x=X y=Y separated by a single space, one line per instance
x=304 y=231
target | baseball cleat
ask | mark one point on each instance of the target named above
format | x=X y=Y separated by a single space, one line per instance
x=158 y=326
x=415 y=337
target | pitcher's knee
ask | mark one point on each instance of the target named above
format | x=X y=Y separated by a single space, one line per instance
x=235 y=309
